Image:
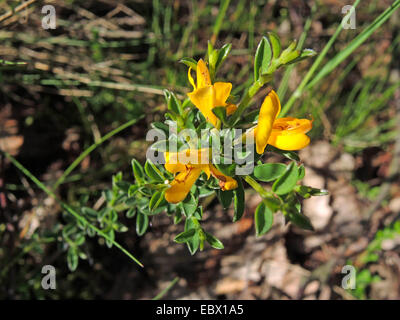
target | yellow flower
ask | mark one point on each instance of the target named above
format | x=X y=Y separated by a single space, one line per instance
x=284 y=133
x=189 y=164
x=205 y=95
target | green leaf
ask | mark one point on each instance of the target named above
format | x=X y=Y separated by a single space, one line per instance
x=156 y=200
x=222 y=54
x=299 y=56
x=173 y=103
x=226 y=169
x=142 y=222
x=123 y=185
x=131 y=213
x=177 y=216
x=302 y=172
x=225 y=197
x=160 y=126
x=89 y=212
x=131 y=201
x=137 y=171
x=238 y=202
x=191 y=63
x=269 y=171
x=72 y=258
x=193 y=243
x=111 y=234
x=300 y=220
x=287 y=181
x=263 y=219
x=185 y=236
x=273 y=203
x=220 y=112
x=262 y=58
x=189 y=205
x=153 y=172
x=307 y=192
x=80 y=239
x=213 y=241
x=275 y=44
x=289 y=57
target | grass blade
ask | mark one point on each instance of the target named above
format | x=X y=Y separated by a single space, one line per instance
x=355 y=43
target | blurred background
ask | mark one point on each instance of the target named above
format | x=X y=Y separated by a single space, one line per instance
x=107 y=62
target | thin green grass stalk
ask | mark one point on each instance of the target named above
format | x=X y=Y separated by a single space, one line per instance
x=66 y=207
x=252 y=18
x=163 y=292
x=298 y=92
x=355 y=43
x=188 y=30
x=220 y=19
x=285 y=80
x=87 y=151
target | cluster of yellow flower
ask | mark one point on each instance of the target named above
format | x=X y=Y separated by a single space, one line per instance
x=283 y=133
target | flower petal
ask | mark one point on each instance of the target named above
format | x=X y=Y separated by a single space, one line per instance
x=203 y=99
x=268 y=113
x=230 y=109
x=291 y=125
x=203 y=76
x=182 y=184
x=222 y=91
x=289 y=142
x=191 y=79
x=172 y=164
x=225 y=182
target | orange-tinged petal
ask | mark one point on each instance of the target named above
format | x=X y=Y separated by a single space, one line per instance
x=268 y=113
x=175 y=168
x=177 y=161
x=203 y=76
x=230 y=109
x=194 y=156
x=222 y=91
x=289 y=142
x=182 y=184
x=225 y=182
x=172 y=164
x=203 y=99
x=291 y=125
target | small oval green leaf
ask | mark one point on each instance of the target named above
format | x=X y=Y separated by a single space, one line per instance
x=287 y=181
x=269 y=171
x=263 y=219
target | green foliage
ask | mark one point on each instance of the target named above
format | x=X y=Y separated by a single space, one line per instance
x=263 y=218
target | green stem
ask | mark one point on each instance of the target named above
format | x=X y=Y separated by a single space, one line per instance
x=257 y=187
x=162 y=293
x=255 y=87
x=65 y=206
